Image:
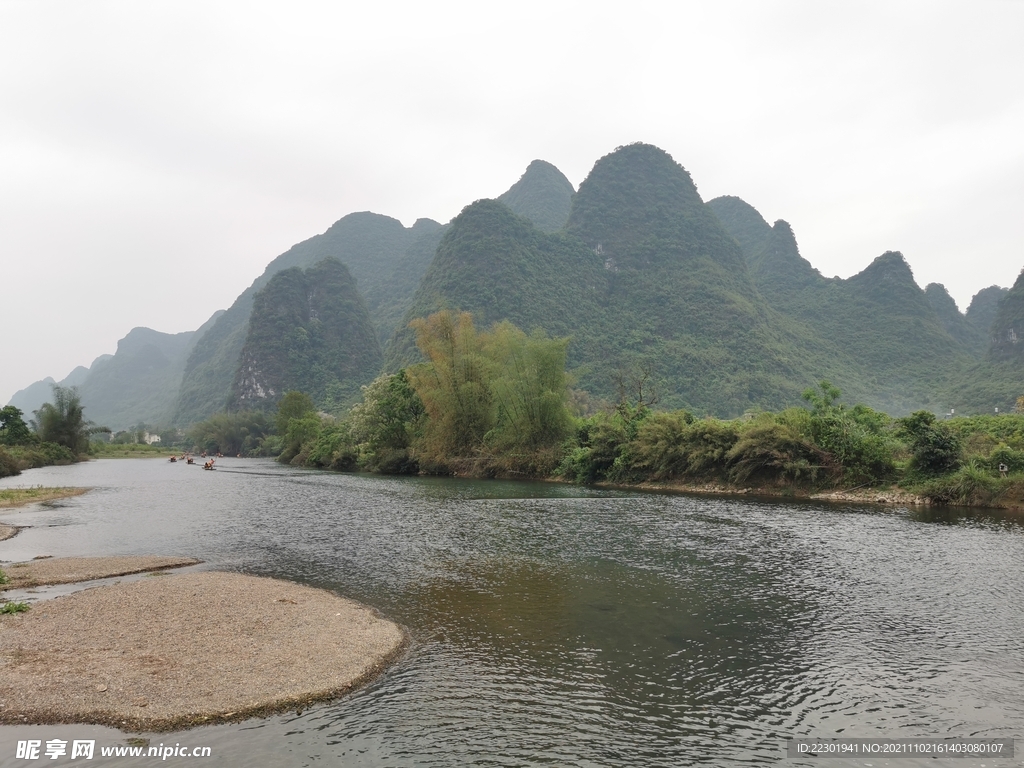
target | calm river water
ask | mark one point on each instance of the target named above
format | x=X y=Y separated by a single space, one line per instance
x=556 y=625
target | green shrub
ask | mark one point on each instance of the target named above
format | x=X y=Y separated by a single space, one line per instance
x=1012 y=459
x=773 y=452
x=936 y=449
x=8 y=464
x=971 y=485
x=333 y=448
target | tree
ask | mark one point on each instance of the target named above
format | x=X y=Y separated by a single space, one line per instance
x=13 y=429
x=384 y=423
x=63 y=421
x=936 y=448
x=294 y=405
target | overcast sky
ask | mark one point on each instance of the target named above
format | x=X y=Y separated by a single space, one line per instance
x=155 y=156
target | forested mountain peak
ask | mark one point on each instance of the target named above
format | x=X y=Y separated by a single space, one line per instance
x=779 y=260
x=309 y=331
x=639 y=208
x=499 y=266
x=422 y=226
x=743 y=221
x=981 y=312
x=953 y=320
x=888 y=276
x=543 y=195
x=140 y=337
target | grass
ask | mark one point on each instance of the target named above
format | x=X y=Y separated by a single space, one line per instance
x=14 y=607
x=17 y=497
x=100 y=450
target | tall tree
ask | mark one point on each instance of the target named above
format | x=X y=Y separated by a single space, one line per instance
x=63 y=421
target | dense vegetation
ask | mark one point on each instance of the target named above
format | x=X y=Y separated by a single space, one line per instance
x=499 y=403
x=60 y=434
x=309 y=331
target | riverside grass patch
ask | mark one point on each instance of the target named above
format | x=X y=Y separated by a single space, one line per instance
x=16 y=497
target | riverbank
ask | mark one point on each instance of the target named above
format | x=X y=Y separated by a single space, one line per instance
x=183 y=650
x=892 y=496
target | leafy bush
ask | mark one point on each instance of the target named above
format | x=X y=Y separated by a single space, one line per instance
x=972 y=484
x=1012 y=459
x=936 y=449
x=773 y=452
x=332 y=448
x=385 y=424
x=8 y=464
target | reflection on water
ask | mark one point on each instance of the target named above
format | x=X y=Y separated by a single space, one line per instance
x=555 y=625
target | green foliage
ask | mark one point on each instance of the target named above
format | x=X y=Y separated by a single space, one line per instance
x=8 y=464
x=13 y=429
x=499 y=393
x=243 y=432
x=773 y=452
x=331 y=448
x=935 y=448
x=858 y=443
x=596 y=455
x=294 y=405
x=302 y=432
x=385 y=424
x=63 y=421
x=41 y=455
x=971 y=485
x=17 y=607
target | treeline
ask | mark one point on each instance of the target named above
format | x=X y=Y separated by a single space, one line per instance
x=499 y=403
x=59 y=434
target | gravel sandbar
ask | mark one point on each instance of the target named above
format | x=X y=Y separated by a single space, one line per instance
x=187 y=649
x=68 y=570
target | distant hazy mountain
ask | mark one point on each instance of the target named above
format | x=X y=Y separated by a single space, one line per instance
x=898 y=347
x=543 y=195
x=982 y=311
x=955 y=322
x=309 y=331
x=137 y=384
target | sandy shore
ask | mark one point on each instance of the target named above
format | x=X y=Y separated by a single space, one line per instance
x=186 y=649
x=68 y=570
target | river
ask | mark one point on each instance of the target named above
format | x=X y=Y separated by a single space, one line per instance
x=558 y=625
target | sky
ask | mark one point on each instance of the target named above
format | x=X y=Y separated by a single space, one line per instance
x=155 y=156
